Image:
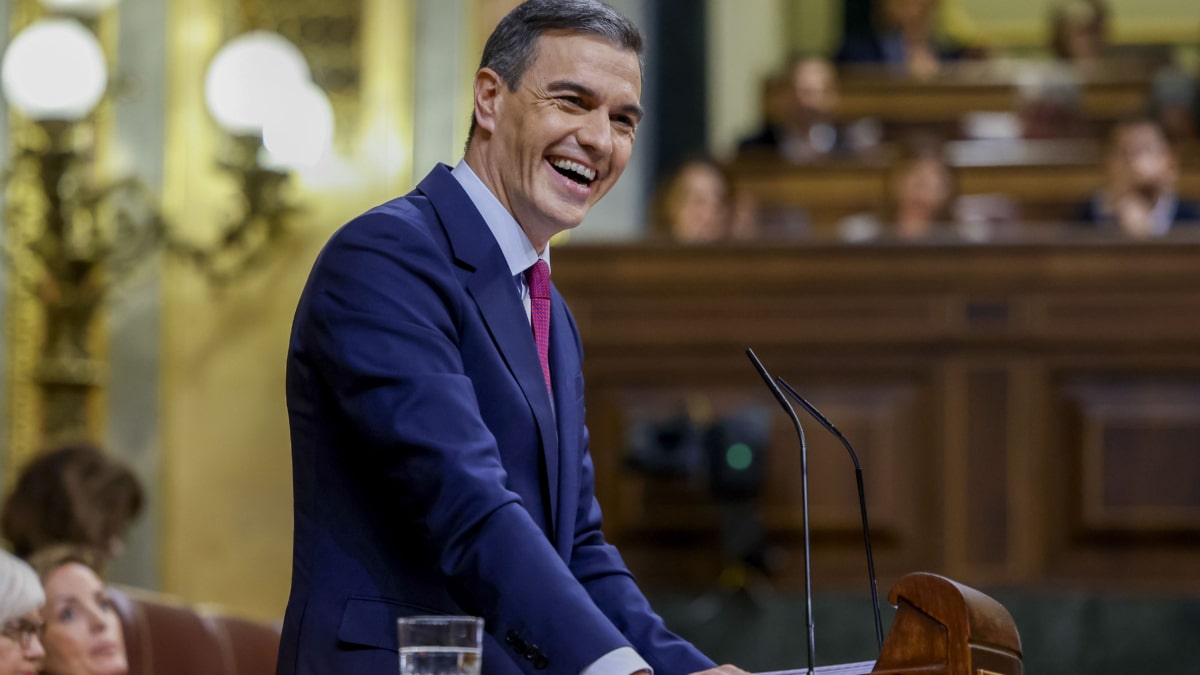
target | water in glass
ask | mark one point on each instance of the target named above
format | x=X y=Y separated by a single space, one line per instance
x=426 y=660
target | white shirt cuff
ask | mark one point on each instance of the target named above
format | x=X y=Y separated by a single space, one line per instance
x=620 y=661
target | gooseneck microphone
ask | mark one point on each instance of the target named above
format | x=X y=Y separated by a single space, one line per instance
x=862 y=500
x=787 y=407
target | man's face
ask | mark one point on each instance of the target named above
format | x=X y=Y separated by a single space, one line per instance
x=1141 y=161
x=560 y=141
x=910 y=13
x=814 y=87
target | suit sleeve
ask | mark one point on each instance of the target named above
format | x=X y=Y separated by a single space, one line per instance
x=382 y=331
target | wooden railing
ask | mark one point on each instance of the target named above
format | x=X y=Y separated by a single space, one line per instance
x=1025 y=413
x=1045 y=180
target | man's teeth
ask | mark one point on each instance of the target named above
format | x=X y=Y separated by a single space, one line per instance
x=575 y=167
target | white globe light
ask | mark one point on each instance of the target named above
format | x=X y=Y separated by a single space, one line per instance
x=54 y=70
x=245 y=78
x=299 y=128
x=79 y=7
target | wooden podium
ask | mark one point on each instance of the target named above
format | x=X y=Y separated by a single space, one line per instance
x=941 y=627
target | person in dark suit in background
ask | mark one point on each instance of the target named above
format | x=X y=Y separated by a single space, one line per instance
x=440 y=456
x=1139 y=196
x=905 y=37
x=798 y=117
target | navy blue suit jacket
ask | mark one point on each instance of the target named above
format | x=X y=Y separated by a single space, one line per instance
x=431 y=473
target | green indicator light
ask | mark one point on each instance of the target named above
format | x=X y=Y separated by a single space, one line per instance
x=739 y=456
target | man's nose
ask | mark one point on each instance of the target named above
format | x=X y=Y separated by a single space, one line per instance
x=596 y=132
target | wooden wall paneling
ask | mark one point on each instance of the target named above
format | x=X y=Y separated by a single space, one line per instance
x=987 y=479
x=1139 y=454
x=1027 y=451
x=1128 y=474
x=978 y=383
x=979 y=460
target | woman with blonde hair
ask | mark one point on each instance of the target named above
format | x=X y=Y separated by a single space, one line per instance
x=83 y=633
x=21 y=596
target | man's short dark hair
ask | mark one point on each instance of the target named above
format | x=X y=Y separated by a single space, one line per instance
x=512 y=45
x=1133 y=122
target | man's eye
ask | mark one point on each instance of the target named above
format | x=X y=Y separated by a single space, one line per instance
x=625 y=123
x=66 y=614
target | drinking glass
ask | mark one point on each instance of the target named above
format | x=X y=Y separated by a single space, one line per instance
x=440 y=645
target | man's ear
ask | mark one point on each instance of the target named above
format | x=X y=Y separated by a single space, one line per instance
x=489 y=91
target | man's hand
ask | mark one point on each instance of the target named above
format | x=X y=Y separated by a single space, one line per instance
x=723 y=670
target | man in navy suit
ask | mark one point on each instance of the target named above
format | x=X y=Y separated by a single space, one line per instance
x=1139 y=198
x=440 y=461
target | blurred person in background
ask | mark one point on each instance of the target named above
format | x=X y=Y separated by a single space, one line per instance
x=798 y=125
x=905 y=37
x=1079 y=30
x=696 y=204
x=77 y=495
x=21 y=596
x=1050 y=103
x=1175 y=104
x=922 y=189
x=1139 y=196
x=83 y=633
x=920 y=196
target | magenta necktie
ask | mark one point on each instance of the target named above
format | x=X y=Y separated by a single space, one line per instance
x=538 y=278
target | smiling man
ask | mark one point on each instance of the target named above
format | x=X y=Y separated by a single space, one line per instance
x=435 y=391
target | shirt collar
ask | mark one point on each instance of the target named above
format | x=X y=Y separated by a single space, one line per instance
x=516 y=247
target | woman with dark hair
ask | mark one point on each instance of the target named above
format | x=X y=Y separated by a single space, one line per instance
x=697 y=204
x=1079 y=30
x=75 y=495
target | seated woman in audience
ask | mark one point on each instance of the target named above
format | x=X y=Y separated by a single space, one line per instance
x=75 y=495
x=1079 y=30
x=920 y=195
x=21 y=597
x=697 y=205
x=906 y=39
x=921 y=192
x=83 y=631
x=1139 y=194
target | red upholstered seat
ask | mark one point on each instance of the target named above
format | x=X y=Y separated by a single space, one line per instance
x=164 y=636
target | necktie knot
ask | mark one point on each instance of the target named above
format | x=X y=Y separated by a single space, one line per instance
x=539 y=280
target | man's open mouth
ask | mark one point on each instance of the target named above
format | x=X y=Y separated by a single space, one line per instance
x=574 y=170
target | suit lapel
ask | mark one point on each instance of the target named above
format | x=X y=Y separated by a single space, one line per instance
x=490 y=285
x=564 y=366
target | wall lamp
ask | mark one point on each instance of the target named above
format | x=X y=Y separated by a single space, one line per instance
x=71 y=238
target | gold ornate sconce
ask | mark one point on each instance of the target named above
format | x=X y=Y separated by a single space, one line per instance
x=259 y=90
x=71 y=238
